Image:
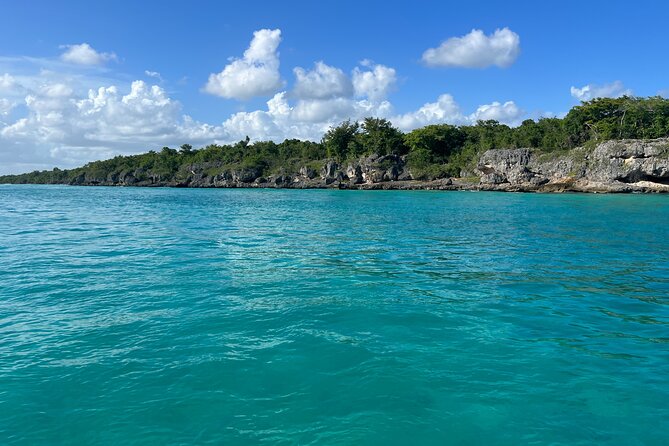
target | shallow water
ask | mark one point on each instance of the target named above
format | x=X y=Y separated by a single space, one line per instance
x=173 y=316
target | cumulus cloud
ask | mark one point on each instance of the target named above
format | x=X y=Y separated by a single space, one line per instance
x=309 y=119
x=507 y=113
x=63 y=128
x=302 y=119
x=321 y=97
x=320 y=110
x=255 y=74
x=5 y=107
x=84 y=54
x=323 y=82
x=444 y=110
x=65 y=119
x=476 y=50
x=7 y=82
x=613 y=90
x=375 y=82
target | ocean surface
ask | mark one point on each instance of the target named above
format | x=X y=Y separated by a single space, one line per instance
x=174 y=316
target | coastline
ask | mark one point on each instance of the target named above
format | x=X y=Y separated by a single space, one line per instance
x=450 y=184
x=617 y=166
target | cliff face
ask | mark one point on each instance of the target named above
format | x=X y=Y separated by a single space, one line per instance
x=372 y=172
x=612 y=166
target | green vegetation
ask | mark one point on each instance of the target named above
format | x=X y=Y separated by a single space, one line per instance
x=433 y=151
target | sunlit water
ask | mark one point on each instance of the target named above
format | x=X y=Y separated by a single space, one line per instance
x=172 y=316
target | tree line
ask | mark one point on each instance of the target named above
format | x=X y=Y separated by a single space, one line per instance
x=432 y=151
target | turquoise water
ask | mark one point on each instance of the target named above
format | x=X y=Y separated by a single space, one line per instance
x=172 y=316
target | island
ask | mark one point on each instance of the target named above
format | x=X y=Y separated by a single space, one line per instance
x=602 y=145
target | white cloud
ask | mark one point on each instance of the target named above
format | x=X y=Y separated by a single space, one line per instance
x=444 y=110
x=320 y=110
x=323 y=82
x=7 y=82
x=322 y=97
x=374 y=83
x=66 y=129
x=59 y=116
x=476 y=50
x=447 y=111
x=6 y=106
x=304 y=119
x=507 y=113
x=56 y=90
x=84 y=54
x=256 y=74
x=153 y=74
x=613 y=90
x=309 y=119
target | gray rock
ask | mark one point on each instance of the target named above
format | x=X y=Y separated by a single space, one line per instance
x=247 y=175
x=392 y=174
x=282 y=180
x=307 y=172
x=329 y=170
x=354 y=173
x=405 y=176
x=612 y=166
x=631 y=161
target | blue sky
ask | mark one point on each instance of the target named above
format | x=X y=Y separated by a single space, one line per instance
x=373 y=62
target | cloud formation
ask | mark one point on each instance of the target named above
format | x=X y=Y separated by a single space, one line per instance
x=65 y=116
x=84 y=54
x=62 y=125
x=323 y=82
x=507 y=113
x=5 y=107
x=374 y=82
x=63 y=128
x=444 y=110
x=255 y=74
x=7 y=82
x=615 y=89
x=476 y=50
x=153 y=74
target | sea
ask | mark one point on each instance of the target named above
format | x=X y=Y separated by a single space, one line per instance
x=155 y=316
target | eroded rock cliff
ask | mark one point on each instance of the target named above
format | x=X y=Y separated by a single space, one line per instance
x=612 y=166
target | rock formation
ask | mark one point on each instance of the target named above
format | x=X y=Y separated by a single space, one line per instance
x=612 y=166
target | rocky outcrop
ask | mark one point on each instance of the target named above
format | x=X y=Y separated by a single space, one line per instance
x=308 y=172
x=612 y=166
x=377 y=169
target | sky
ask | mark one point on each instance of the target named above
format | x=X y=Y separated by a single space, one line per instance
x=81 y=80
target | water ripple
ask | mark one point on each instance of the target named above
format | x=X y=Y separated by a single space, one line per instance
x=157 y=316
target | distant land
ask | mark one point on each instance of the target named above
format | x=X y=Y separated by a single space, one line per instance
x=603 y=145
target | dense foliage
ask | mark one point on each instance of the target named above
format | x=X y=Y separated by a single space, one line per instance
x=432 y=151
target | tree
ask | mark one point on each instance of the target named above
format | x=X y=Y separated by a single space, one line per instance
x=167 y=152
x=380 y=137
x=341 y=142
x=553 y=134
x=528 y=134
x=439 y=140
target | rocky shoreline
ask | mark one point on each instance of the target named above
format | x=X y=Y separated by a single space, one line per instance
x=610 y=167
x=620 y=166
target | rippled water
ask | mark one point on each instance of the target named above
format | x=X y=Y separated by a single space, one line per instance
x=163 y=316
